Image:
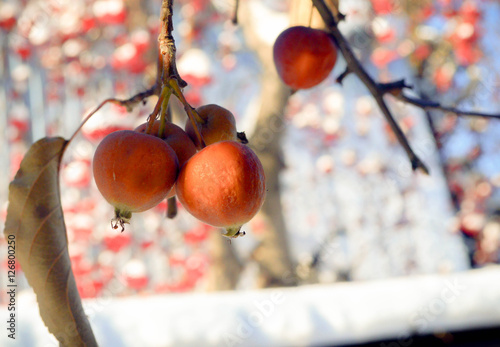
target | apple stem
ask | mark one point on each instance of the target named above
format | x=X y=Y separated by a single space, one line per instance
x=172 y=207
x=154 y=114
x=164 y=113
x=193 y=116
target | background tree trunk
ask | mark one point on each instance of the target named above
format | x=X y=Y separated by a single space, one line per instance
x=272 y=252
x=225 y=266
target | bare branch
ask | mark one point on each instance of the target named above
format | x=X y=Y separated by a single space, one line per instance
x=375 y=88
x=394 y=87
x=167 y=44
x=235 y=12
x=128 y=103
x=140 y=97
x=433 y=105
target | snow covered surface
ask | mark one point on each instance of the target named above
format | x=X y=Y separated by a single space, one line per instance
x=308 y=315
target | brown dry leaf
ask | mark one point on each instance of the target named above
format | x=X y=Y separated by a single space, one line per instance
x=35 y=218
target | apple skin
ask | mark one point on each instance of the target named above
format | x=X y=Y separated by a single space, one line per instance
x=134 y=171
x=219 y=125
x=303 y=56
x=223 y=185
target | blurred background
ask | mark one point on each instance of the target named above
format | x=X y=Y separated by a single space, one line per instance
x=346 y=223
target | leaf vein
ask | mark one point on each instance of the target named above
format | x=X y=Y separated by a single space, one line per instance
x=42 y=223
x=33 y=184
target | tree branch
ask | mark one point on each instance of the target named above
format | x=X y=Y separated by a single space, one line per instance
x=140 y=97
x=378 y=90
x=235 y=12
x=375 y=88
x=433 y=105
x=394 y=87
x=166 y=45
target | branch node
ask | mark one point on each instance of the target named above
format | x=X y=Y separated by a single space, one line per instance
x=343 y=75
x=395 y=87
x=166 y=44
x=417 y=164
x=139 y=97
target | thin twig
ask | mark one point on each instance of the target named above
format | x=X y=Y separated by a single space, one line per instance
x=334 y=6
x=235 y=12
x=433 y=105
x=355 y=66
x=343 y=75
x=128 y=103
x=437 y=137
x=393 y=87
x=116 y=101
x=134 y=100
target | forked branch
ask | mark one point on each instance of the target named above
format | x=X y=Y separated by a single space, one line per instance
x=378 y=90
x=354 y=66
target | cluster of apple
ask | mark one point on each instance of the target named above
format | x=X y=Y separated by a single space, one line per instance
x=219 y=180
x=303 y=56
